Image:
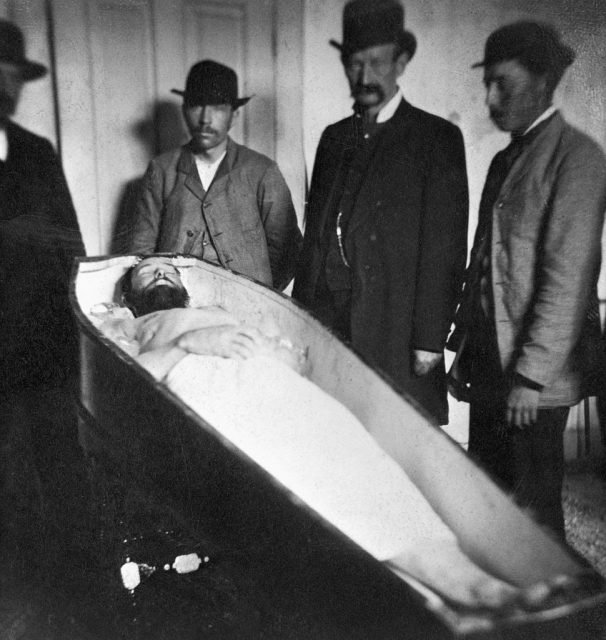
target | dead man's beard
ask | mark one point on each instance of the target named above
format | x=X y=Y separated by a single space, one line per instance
x=157 y=298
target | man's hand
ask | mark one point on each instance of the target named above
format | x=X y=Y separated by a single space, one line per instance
x=228 y=341
x=425 y=361
x=522 y=406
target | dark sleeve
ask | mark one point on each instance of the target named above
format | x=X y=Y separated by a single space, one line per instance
x=307 y=263
x=442 y=240
x=60 y=221
x=37 y=249
x=280 y=224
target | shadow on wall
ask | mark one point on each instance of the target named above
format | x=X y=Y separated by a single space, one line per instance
x=160 y=132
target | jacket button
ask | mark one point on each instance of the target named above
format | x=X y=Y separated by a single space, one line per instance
x=373 y=237
x=206 y=204
x=190 y=233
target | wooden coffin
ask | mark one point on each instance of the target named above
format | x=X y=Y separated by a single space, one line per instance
x=143 y=435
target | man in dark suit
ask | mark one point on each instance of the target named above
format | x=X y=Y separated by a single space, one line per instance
x=528 y=331
x=39 y=237
x=386 y=224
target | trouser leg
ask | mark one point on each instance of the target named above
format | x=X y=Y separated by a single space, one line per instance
x=538 y=467
x=528 y=462
x=489 y=441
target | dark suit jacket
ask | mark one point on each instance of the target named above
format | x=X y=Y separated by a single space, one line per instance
x=39 y=237
x=406 y=241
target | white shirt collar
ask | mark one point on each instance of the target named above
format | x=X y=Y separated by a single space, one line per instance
x=3 y=145
x=548 y=112
x=207 y=171
x=390 y=108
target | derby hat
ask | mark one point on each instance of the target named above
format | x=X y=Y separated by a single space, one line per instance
x=536 y=45
x=367 y=23
x=12 y=51
x=209 y=82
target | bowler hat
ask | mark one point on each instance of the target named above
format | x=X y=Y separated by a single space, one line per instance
x=12 y=51
x=209 y=82
x=535 y=44
x=367 y=23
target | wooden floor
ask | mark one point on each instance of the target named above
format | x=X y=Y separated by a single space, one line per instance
x=52 y=588
x=584 y=499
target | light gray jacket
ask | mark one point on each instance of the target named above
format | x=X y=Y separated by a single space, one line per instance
x=545 y=259
x=247 y=211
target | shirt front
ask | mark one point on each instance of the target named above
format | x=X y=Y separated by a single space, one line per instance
x=203 y=245
x=207 y=171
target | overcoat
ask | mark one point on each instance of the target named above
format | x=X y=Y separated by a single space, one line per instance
x=247 y=211
x=406 y=242
x=39 y=238
x=545 y=252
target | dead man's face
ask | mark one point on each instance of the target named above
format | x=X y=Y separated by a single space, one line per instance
x=156 y=286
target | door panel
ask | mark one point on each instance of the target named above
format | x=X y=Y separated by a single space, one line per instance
x=238 y=33
x=123 y=88
x=217 y=32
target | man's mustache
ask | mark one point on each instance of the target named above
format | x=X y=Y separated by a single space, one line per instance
x=156 y=280
x=205 y=129
x=368 y=89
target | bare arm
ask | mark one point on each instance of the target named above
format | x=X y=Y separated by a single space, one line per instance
x=226 y=341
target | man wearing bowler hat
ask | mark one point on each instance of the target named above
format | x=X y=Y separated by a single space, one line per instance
x=214 y=198
x=385 y=239
x=528 y=329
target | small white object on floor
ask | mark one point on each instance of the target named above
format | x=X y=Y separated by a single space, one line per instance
x=131 y=577
x=187 y=563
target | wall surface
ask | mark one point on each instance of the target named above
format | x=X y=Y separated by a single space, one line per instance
x=36 y=110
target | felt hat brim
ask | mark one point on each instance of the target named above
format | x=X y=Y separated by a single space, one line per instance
x=236 y=104
x=30 y=70
x=408 y=41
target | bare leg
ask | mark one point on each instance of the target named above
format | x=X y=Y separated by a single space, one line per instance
x=444 y=568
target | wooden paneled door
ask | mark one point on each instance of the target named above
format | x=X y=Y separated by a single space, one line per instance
x=117 y=61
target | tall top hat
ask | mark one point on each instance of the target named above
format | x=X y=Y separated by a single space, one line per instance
x=367 y=23
x=536 y=45
x=209 y=82
x=12 y=51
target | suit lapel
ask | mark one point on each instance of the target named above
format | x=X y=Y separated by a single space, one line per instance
x=222 y=177
x=330 y=202
x=520 y=170
x=392 y=138
x=187 y=165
